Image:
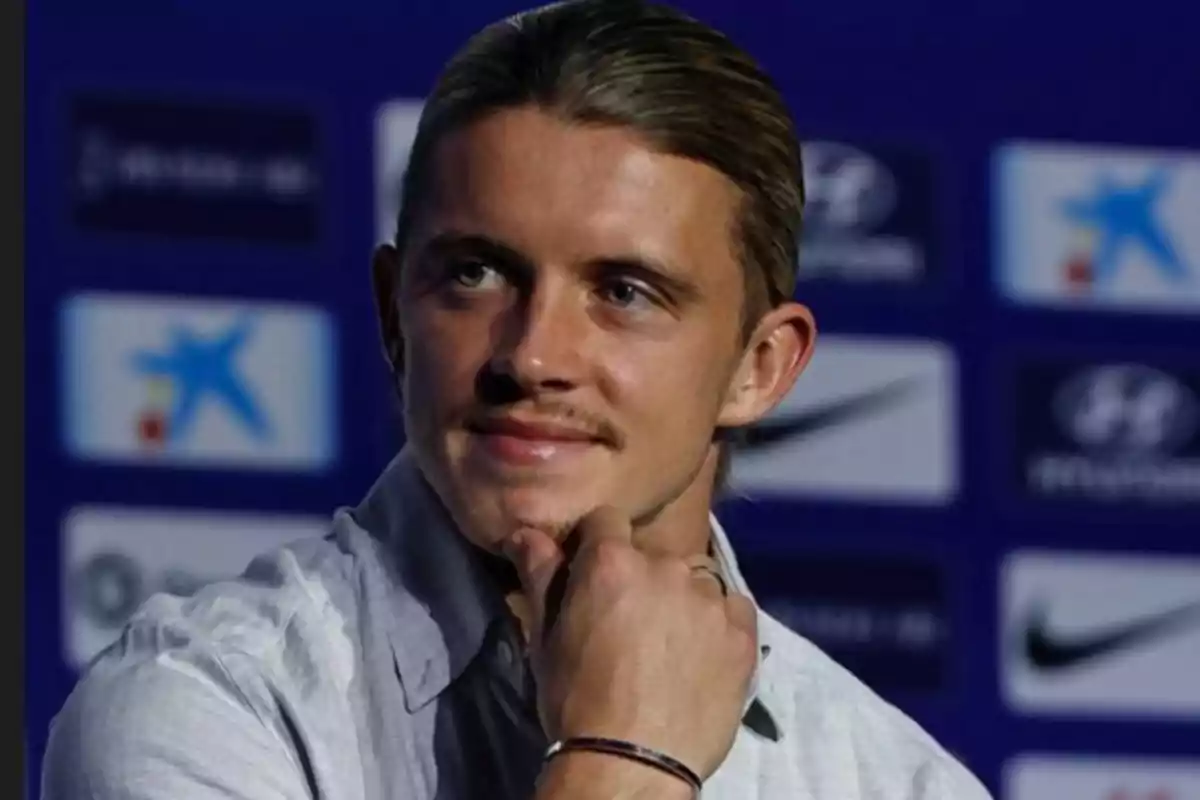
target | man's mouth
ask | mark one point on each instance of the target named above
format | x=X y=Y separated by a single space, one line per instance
x=529 y=441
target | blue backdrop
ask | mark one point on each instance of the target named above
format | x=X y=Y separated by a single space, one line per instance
x=1044 y=299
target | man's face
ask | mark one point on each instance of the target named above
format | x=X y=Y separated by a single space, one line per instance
x=570 y=308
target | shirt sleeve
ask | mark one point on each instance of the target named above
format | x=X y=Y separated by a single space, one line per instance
x=166 y=726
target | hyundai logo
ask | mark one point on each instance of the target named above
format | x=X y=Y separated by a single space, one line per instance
x=1126 y=410
x=846 y=189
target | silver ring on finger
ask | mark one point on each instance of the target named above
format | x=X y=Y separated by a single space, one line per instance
x=716 y=575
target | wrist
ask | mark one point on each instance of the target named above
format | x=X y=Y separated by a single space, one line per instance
x=588 y=775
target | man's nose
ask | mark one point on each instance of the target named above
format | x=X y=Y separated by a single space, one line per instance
x=543 y=342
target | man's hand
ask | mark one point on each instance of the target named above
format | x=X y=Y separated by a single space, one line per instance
x=635 y=646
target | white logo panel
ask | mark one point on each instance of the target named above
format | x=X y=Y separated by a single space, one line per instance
x=1046 y=777
x=176 y=381
x=869 y=419
x=1110 y=228
x=1093 y=633
x=114 y=558
x=395 y=129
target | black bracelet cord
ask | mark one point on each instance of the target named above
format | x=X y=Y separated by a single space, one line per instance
x=634 y=752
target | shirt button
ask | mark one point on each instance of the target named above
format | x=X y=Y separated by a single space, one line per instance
x=506 y=654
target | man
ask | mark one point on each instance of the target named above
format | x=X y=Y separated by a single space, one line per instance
x=589 y=289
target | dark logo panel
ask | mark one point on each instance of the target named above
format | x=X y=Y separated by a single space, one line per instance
x=883 y=618
x=148 y=167
x=868 y=215
x=1108 y=432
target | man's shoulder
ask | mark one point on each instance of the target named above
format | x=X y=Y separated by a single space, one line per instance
x=288 y=599
x=822 y=704
x=803 y=679
x=193 y=685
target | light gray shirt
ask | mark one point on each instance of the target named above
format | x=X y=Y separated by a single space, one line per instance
x=378 y=663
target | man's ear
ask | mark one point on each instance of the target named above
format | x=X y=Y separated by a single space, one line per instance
x=776 y=353
x=385 y=279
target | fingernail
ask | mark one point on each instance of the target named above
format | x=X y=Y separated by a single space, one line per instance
x=512 y=545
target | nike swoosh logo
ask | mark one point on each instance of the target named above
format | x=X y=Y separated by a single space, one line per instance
x=773 y=432
x=1049 y=651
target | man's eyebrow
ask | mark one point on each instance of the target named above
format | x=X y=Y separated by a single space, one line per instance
x=450 y=243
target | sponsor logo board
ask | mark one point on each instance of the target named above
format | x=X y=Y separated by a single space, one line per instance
x=1112 y=432
x=114 y=558
x=1083 y=777
x=187 y=382
x=395 y=129
x=869 y=419
x=885 y=618
x=158 y=166
x=1101 y=634
x=868 y=215
x=1100 y=228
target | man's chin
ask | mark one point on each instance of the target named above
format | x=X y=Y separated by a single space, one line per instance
x=556 y=519
x=553 y=512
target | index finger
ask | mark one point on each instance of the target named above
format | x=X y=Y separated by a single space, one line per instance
x=537 y=557
x=604 y=523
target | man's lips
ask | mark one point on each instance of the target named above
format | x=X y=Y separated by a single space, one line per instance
x=533 y=430
x=526 y=443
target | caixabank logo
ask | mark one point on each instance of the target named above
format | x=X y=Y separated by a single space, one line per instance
x=1104 y=228
x=199 y=382
x=1111 y=432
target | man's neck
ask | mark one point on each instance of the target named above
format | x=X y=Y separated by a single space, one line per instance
x=681 y=527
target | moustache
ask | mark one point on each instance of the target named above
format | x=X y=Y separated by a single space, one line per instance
x=559 y=415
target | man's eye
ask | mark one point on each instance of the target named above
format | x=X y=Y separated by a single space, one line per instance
x=624 y=294
x=472 y=274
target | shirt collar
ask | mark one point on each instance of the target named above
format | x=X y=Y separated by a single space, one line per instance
x=443 y=601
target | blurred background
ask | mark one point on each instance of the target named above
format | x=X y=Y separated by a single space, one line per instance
x=982 y=497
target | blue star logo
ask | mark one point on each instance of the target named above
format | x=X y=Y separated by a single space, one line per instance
x=1122 y=216
x=200 y=368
